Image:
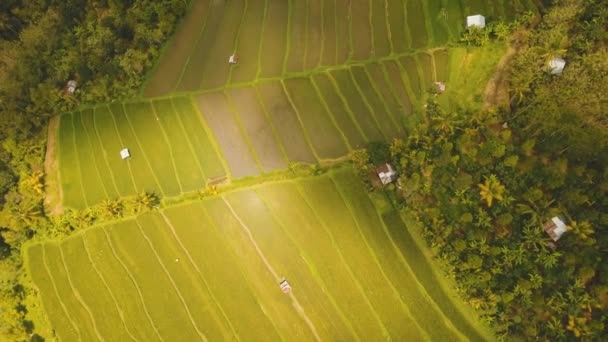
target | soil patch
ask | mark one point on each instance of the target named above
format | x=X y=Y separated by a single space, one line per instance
x=53 y=198
x=496 y=94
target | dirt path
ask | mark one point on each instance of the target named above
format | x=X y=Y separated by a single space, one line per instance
x=496 y=94
x=53 y=198
x=295 y=301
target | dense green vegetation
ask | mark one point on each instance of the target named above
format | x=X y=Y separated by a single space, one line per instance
x=482 y=184
x=106 y=46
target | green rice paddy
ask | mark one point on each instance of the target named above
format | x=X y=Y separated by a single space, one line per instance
x=211 y=270
x=316 y=80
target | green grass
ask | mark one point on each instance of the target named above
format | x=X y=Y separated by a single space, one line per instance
x=395 y=109
x=326 y=138
x=399 y=84
x=400 y=38
x=249 y=42
x=111 y=143
x=396 y=267
x=410 y=66
x=421 y=268
x=187 y=165
x=373 y=99
x=416 y=21
x=425 y=62
x=144 y=177
x=210 y=245
x=455 y=17
x=96 y=147
x=99 y=300
x=210 y=269
x=442 y=64
x=438 y=20
x=166 y=308
x=63 y=324
x=116 y=277
x=468 y=69
x=339 y=111
x=149 y=136
x=210 y=160
x=361 y=112
x=90 y=175
x=283 y=254
x=69 y=169
x=78 y=310
x=354 y=249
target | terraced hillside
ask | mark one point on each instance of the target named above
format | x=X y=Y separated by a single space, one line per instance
x=210 y=270
x=277 y=38
x=316 y=80
x=180 y=144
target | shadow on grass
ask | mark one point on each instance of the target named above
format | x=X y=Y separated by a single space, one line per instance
x=423 y=272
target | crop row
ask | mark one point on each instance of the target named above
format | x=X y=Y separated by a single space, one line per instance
x=210 y=270
x=279 y=38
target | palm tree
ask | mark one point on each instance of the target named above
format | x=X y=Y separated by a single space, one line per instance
x=111 y=209
x=144 y=201
x=491 y=189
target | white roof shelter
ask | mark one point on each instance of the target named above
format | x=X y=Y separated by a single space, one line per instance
x=285 y=287
x=386 y=173
x=440 y=87
x=556 y=66
x=476 y=20
x=233 y=59
x=124 y=153
x=71 y=86
x=555 y=228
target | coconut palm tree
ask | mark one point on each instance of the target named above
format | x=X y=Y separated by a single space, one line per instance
x=491 y=190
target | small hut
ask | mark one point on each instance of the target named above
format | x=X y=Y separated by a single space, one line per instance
x=476 y=20
x=555 y=228
x=556 y=66
x=285 y=287
x=70 y=87
x=439 y=88
x=386 y=173
x=233 y=59
x=125 y=154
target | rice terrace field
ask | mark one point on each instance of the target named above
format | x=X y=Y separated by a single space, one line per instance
x=316 y=80
x=210 y=270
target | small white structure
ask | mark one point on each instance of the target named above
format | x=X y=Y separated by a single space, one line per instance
x=71 y=86
x=476 y=20
x=555 y=228
x=556 y=66
x=440 y=87
x=285 y=287
x=386 y=173
x=233 y=59
x=124 y=153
